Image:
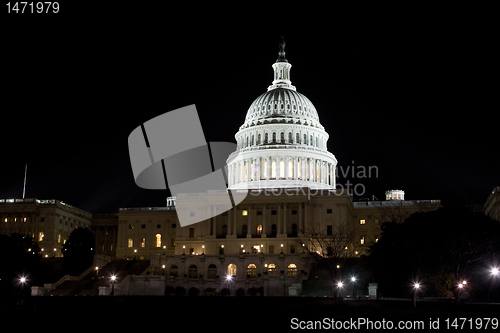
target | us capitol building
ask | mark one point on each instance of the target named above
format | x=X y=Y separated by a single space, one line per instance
x=256 y=248
x=260 y=247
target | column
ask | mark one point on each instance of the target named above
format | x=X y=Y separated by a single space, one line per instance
x=249 y=171
x=286 y=167
x=268 y=167
x=249 y=226
x=264 y=212
x=279 y=231
x=303 y=169
x=301 y=219
x=277 y=167
x=296 y=168
x=284 y=218
x=214 y=225
x=306 y=215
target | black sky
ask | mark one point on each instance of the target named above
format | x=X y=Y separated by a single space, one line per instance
x=416 y=99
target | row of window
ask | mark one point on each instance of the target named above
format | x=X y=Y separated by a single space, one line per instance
x=319 y=173
x=251 y=270
x=130 y=241
x=248 y=141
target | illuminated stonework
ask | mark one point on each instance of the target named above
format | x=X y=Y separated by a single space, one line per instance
x=282 y=143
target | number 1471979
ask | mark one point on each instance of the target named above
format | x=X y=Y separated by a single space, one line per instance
x=22 y=7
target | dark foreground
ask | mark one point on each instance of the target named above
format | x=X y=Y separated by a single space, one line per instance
x=242 y=314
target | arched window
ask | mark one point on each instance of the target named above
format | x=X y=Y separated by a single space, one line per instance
x=259 y=230
x=231 y=269
x=273 y=169
x=271 y=270
x=297 y=138
x=193 y=272
x=290 y=169
x=299 y=170
x=274 y=136
x=258 y=139
x=282 y=137
x=318 y=173
x=212 y=272
x=253 y=137
x=317 y=142
x=158 y=240
x=305 y=139
x=264 y=171
x=290 y=137
x=310 y=140
x=292 y=269
x=247 y=142
x=282 y=169
x=174 y=271
x=252 y=271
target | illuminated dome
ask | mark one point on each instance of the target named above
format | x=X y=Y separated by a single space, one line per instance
x=281 y=143
x=279 y=103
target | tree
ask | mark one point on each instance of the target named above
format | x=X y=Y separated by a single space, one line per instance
x=16 y=262
x=329 y=247
x=437 y=247
x=78 y=251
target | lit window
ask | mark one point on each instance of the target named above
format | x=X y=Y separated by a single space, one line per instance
x=282 y=169
x=59 y=238
x=252 y=270
x=265 y=169
x=362 y=240
x=231 y=269
x=5 y=220
x=143 y=243
x=158 y=240
x=362 y=221
x=24 y=219
x=271 y=270
x=299 y=172
x=259 y=230
x=290 y=169
x=273 y=169
x=130 y=242
x=292 y=269
x=40 y=236
x=244 y=213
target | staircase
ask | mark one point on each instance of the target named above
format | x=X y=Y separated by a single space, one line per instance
x=88 y=283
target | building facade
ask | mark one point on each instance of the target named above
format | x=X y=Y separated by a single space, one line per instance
x=260 y=246
x=49 y=222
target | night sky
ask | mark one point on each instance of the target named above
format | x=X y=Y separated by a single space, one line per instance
x=416 y=99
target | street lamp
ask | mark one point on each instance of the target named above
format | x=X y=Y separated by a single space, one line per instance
x=416 y=286
x=495 y=271
x=339 y=286
x=113 y=278
x=353 y=280
x=228 y=279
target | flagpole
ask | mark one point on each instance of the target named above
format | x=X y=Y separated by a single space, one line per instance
x=24 y=187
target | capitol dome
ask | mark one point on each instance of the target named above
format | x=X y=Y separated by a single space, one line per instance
x=282 y=142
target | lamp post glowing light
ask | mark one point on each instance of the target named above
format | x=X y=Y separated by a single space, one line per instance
x=495 y=271
x=113 y=278
x=416 y=286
